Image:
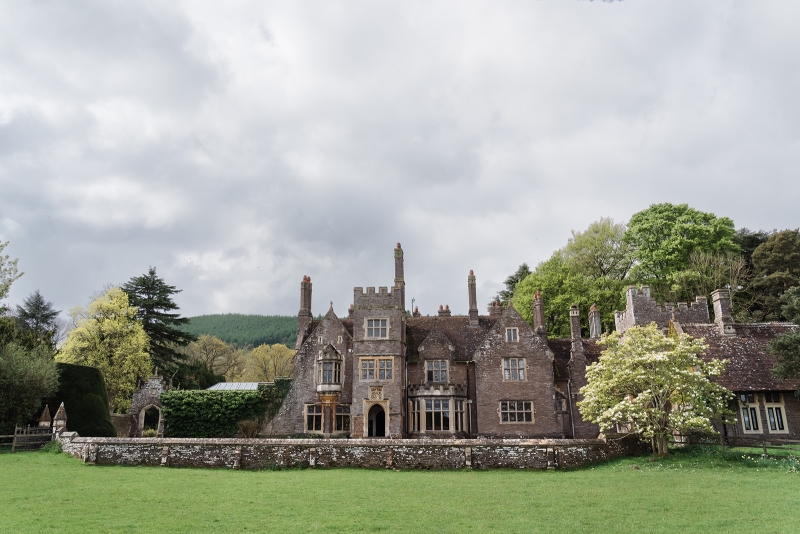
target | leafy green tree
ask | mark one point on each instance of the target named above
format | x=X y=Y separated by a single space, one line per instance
x=654 y=385
x=562 y=286
x=776 y=265
x=110 y=338
x=8 y=274
x=787 y=347
x=664 y=235
x=748 y=241
x=265 y=363
x=511 y=282
x=218 y=356
x=27 y=375
x=194 y=375
x=152 y=298
x=706 y=272
x=600 y=251
x=36 y=315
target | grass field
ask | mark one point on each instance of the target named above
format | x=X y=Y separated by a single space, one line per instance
x=696 y=491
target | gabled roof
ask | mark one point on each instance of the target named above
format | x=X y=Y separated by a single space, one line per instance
x=464 y=338
x=751 y=364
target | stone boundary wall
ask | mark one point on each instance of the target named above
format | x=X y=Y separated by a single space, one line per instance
x=234 y=453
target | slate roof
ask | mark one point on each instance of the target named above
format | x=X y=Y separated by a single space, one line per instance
x=464 y=338
x=750 y=366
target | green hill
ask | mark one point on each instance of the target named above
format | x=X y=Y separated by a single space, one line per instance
x=240 y=329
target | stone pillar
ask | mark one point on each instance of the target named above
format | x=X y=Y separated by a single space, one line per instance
x=721 y=299
x=473 y=300
x=304 y=316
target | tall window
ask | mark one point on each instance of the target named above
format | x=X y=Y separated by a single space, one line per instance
x=437 y=370
x=415 y=415
x=750 y=416
x=376 y=368
x=774 y=405
x=330 y=373
x=459 y=415
x=376 y=328
x=513 y=368
x=343 y=418
x=313 y=418
x=516 y=412
x=512 y=334
x=437 y=414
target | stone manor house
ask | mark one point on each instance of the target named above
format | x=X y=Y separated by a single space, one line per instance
x=379 y=372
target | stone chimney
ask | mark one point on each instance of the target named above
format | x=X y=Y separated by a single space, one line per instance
x=444 y=311
x=351 y=312
x=721 y=299
x=416 y=312
x=304 y=316
x=538 y=315
x=399 y=276
x=496 y=309
x=473 y=300
x=575 y=322
x=595 y=325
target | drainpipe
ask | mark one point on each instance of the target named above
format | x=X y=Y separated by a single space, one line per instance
x=571 y=418
x=469 y=404
x=405 y=397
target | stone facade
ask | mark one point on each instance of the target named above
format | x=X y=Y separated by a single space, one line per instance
x=641 y=309
x=384 y=372
x=145 y=397
x=374 y=453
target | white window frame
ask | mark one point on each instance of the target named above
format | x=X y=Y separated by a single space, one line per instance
x=380 y=363
x=438 y=406
x=521 y=372
x=776 y=413
x=512 y=335
x=752 y=417
x=379 y=325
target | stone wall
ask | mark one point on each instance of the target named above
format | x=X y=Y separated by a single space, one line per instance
x=641 y=309
x=370 y=453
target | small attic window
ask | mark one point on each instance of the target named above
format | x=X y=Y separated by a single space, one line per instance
x=512 y=334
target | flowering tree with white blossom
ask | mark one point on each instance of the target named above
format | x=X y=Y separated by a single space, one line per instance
x=654 y=385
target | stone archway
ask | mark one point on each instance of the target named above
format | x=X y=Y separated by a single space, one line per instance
x=376 y=425
x=150 y=418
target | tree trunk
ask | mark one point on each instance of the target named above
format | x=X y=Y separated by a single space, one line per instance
x=662 y=445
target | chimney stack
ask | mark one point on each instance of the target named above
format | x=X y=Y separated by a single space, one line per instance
x=416 y=312
x=399 y=280
x=304 y=316
x=538 y=315
x=595 y=325
x=473 y=300
x=351 y=312
x=575 y=322
x=496 y=309
x=444 y=311
x=721 y=299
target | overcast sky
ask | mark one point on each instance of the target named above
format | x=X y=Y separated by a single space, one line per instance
x=238 y=146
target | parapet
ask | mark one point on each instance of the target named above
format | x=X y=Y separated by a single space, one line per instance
x=641 y=309
x=384 y=297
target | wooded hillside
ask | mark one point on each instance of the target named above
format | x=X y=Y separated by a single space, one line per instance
x=241 y=330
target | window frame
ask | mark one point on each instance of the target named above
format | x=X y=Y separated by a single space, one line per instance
x=776 y=413
x=520 y=371
x=512 y=334
x=316 y=412
x=437 y=407
x=335 y=372
x=505 y=407
x=431 y=372
x=343 y=421
x=749 y=413
x=382 y=328
x=380 y=364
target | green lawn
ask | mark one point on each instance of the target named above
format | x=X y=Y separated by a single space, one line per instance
x=697 y=491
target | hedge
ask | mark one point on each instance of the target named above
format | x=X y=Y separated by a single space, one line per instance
x=214 y=414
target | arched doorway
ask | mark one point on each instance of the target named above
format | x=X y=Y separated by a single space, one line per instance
x=150 y=419
x=377 y=421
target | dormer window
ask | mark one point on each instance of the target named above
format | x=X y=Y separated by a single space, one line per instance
x=377 y=328
x=512 y=334
x=437 y=370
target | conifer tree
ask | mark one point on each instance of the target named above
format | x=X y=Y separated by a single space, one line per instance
x=37 y=316
x=152 y=297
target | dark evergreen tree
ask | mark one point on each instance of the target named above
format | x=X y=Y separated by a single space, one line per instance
x=776 y=265
x=153 y=298
x=511 y=282
x=749 y=241
x=38 y=317
x=787 y=346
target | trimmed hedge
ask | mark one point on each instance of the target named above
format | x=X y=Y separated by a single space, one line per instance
x=83 y=392
x=215 y=414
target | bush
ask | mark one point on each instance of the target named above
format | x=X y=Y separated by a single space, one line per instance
x=83 y=392
x=150 y=433
x=210 y=414
x=27 y=375
x=53 y=447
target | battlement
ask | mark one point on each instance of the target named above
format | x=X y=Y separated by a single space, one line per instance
x=641 y=309
x=384 y=297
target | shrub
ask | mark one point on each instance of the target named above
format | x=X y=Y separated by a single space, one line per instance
x=83 y=392
x=150 y=433
x=209 y=414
